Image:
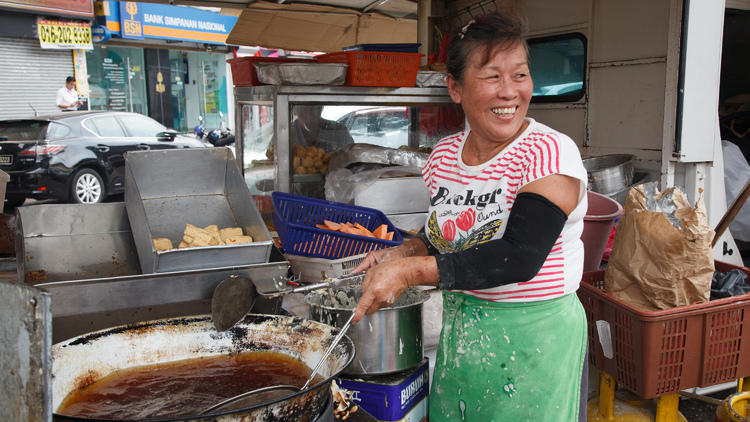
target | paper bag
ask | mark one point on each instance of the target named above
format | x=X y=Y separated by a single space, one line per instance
x=661 y=255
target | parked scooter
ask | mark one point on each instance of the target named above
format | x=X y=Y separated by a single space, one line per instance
x=199 y=130
x=222 y=136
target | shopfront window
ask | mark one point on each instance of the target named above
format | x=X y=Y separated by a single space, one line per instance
x=117 y=80
x=211 y=94
x=178 y=64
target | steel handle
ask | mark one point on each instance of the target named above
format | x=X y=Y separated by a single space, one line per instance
x=328 y=351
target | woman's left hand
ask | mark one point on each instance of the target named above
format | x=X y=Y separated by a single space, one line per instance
x=385 y=282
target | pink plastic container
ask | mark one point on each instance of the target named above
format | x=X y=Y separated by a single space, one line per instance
x=597 y=225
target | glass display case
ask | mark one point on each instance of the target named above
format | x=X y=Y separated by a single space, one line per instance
x=286 y=134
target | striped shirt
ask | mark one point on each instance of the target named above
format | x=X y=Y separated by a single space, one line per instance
x=471 y=205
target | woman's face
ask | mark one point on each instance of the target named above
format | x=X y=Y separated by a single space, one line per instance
x=495 y=96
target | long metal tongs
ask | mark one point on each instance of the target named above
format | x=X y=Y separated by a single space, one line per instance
x=235 y=296
x=284 y=288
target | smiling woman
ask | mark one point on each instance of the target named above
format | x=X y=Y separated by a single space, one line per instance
x=502 y=241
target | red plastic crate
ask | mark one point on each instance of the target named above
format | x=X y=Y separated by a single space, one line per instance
x=372 y=68
x=243 y=71
x=662 y=352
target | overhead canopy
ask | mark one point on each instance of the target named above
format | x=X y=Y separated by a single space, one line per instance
x=316 y=27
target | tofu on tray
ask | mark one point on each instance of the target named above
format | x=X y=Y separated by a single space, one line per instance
x=194 y=236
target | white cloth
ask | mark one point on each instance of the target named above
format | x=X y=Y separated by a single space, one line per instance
x=471 y=201
x=67 y=96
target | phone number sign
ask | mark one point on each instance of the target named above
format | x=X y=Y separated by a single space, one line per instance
x=64 y=35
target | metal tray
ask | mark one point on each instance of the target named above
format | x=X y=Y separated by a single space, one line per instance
x=166 y=189
x=57 y=242
x=301 y=73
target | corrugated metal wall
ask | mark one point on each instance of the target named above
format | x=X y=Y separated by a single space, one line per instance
x=30 y=76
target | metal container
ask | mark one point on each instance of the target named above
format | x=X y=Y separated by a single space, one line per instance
x=83 y=360
x=166 y=189
x=81 y=306
x=394 y=195
x=58 y=242
x=390 y=340
x=427 y=78
x=609 y=173
x=301 y=73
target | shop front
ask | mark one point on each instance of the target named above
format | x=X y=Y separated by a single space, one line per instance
x=39 y=41
x=167 y=62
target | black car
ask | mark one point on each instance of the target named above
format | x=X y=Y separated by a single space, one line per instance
x=77 y=156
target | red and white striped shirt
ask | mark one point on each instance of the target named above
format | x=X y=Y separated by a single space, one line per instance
x=471 y=204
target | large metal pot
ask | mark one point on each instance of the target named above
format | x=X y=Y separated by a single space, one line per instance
x=85 y=359
x=609 y=173
x=390 y=340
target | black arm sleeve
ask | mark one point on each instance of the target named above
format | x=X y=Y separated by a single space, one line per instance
x=533 y=227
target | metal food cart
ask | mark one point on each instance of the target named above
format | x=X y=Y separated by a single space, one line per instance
x=264 y=117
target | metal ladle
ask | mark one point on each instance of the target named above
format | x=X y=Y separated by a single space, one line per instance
x=235 y=296
x=266 y=394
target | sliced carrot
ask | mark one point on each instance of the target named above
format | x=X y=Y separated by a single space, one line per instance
x=366 y=233
x=381 y=231
x=349 y=230
x=389 y=236
x=331 y=225
x=364 y=230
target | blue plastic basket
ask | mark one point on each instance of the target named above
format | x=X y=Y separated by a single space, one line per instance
x=295 y=218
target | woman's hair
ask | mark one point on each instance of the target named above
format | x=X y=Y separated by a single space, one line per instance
x=496 y=30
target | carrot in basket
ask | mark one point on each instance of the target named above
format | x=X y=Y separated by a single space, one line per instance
x=330 y=225
x=381 y=231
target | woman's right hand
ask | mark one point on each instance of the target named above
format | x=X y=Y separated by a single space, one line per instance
x=409 y=248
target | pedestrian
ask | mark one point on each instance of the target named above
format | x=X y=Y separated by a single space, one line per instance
x=502 y=241
x=67 y=96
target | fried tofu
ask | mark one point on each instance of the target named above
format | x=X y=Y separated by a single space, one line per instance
x=228 y=232
x=162 y=244
x=231 y=240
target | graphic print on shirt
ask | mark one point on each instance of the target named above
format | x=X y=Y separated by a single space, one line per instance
x=446 y=241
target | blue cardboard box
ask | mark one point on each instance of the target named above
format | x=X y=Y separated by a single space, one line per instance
x=393 y=397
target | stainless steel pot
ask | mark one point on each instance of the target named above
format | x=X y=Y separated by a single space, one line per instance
x=390 y=340
x=80 y=361
x=609 y=173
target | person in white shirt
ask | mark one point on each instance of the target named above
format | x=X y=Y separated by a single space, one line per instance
x=67 y=96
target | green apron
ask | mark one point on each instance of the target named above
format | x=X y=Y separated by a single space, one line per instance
x=509 y=361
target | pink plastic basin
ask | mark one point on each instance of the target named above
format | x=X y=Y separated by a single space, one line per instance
x=597 y=225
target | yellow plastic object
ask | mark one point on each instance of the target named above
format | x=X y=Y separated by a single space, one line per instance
x=607 y=408
x=734 y=408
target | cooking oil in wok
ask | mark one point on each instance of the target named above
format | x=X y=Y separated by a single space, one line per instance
x=182 y=388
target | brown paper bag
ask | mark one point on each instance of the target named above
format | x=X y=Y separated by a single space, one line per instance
x=655 y=265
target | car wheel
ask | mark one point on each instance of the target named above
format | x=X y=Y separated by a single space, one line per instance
x=87 y=187
x=12 y=203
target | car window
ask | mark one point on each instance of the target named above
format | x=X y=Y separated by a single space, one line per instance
x=141 y=126
x=105 y=126
x=394 y=122
x=57 y=131
x=23 y=130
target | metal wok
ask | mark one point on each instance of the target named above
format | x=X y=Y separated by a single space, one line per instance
x=81 y=361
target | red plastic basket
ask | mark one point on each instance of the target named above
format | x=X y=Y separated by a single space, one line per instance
x=662 y=352
x=243 y=71
x=371 y=68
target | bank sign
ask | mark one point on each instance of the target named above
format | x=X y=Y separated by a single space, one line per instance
x=135 y=20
